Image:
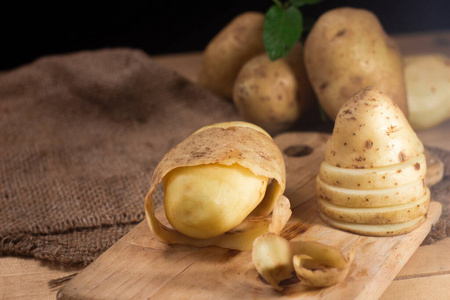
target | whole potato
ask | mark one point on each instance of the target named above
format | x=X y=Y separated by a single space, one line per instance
x=347 y=50
x=225 y=54
x=273 y=94
x=428 y=85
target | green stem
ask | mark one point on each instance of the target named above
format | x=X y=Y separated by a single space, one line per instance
x=278 y=3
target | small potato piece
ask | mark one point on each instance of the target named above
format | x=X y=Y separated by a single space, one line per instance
x=273 y=94
x=227 y=52
x=347 y=50
x=371 y=131
x=428 y=85
x=207 y=200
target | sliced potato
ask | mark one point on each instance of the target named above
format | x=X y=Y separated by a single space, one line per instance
x=379 y=215
x=371 y=198
x=374 y=178
x=375 y=229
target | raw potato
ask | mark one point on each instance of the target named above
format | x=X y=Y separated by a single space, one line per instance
x=209 y=169
x=273 y=94
x=348 y=197
x=373 y=179
x=391 y=214
x=227 y=52
x=347 y=50
x=365 y=130
x=428 y=88
x=315 y=264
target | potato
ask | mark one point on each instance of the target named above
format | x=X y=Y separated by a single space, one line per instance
x=374 y=178
x=428 y=88
x=379 y=215
x=347 y=50
x=273 y=94
x=375 y=230
x=227 y=52
x=371 y=131
x=223 y=187
x=405 y=193
x=374 y=169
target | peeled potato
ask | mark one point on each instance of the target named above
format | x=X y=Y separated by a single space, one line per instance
x=221 y=185
x=373 y=178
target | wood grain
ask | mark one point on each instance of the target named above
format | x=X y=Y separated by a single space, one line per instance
x=139 y=266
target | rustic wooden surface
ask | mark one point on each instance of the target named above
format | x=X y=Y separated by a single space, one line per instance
x=139 y=266
x=425 y=276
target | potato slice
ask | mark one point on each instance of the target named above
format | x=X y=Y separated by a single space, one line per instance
x=315 y=264
x=370 y=132
x=379 y=215
x=374 y=178
x=377 y=229
x=233 y=143
x=371 y=198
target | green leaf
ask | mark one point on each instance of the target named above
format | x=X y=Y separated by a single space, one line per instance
x=282 y=29
x=300 y=3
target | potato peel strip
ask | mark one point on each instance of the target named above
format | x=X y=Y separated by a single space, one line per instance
x=315 y=264
x=241 y=145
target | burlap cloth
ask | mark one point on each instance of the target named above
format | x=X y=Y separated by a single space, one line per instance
x=80 y=135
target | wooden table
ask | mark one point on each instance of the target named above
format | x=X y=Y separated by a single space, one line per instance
x=425 y=276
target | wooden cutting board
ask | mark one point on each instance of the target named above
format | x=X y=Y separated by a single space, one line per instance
x=140 y=267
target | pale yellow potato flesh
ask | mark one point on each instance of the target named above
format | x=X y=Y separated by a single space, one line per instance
x=375 y=229
x=374 y=178
x=371 y=198
x=370 y=132
x=276 y=259
x=427 y=78
x=229 y=144
x=378 y=215
x=207 y=200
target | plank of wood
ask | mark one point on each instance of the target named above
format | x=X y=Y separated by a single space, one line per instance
x=139 y=266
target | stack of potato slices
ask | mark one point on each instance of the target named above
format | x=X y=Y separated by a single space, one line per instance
x=372 y=181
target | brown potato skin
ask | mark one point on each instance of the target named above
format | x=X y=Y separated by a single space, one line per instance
x=346 y=50
x=227 y=52
x=273 y=94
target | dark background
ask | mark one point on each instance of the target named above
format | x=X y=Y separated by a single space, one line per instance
x=29 y=31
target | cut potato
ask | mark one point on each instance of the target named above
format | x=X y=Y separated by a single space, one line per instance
x=315 y=264
x=379 y=215
x=374 y=178
x=375 y=230
x=371 y=198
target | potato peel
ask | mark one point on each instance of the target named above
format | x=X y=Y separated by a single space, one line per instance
x=315 y=264
x=236 y=144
